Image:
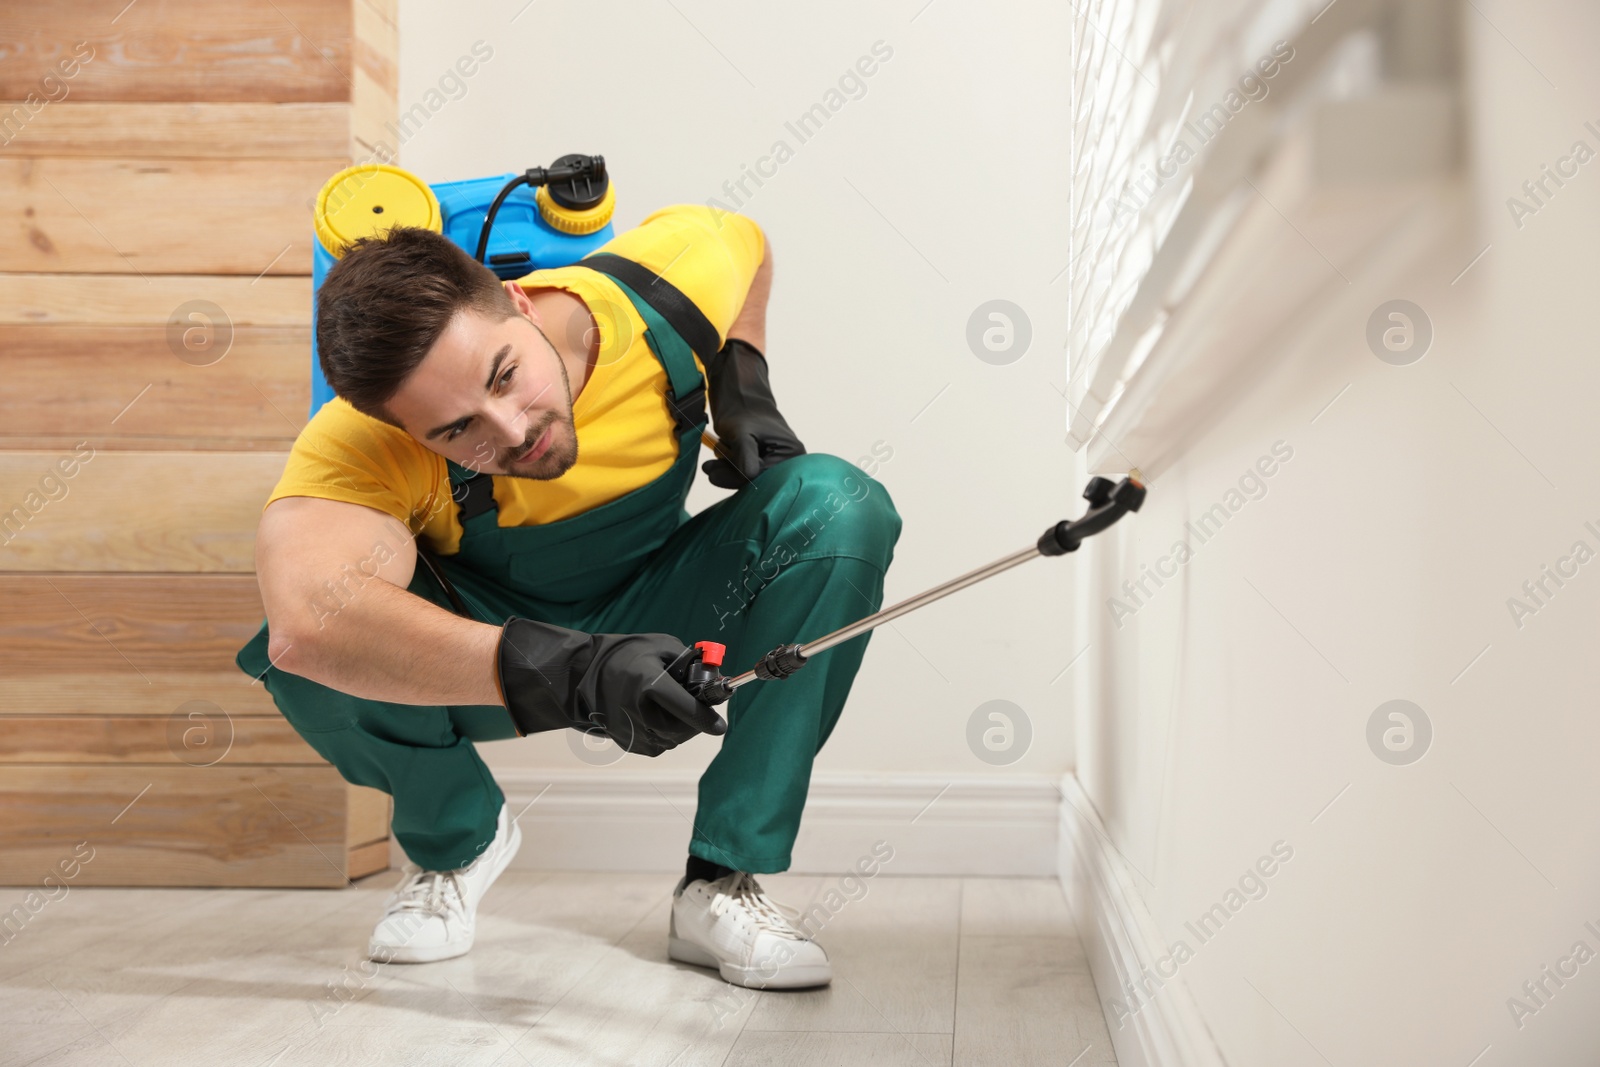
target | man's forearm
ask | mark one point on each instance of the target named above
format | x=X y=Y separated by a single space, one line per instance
x=751 y=325
x=392 y=645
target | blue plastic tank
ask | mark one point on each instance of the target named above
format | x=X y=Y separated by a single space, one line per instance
x=533 y=230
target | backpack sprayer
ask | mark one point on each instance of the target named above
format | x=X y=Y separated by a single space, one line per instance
x=552 y=217
x=696 y=668
x=512 y=223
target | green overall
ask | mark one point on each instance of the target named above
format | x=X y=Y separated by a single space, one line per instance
x=799 y=552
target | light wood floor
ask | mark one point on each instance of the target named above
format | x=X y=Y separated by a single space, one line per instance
x=568 y=968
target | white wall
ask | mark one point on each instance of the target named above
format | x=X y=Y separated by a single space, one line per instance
x=874 y=286
x=1229 y=712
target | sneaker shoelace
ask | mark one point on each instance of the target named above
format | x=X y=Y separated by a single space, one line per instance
x=741 y=890
x=432 y=893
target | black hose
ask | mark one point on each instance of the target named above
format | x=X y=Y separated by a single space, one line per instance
x=494 y=209
x=425 y=554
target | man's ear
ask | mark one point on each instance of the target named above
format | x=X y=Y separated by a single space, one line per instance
x=524 y=305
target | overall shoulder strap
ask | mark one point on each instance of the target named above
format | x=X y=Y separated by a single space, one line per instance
x=657 y=299
x=667 y=299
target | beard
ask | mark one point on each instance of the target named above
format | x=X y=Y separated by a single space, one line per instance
x=563 y=451
x=557 y=459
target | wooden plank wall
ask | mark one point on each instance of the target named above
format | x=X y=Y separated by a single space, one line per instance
x=158 y=164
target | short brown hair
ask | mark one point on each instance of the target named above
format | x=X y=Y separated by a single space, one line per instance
x=385 y=303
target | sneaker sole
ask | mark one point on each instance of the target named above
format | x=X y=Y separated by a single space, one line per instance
x=806 y=977
x=406 y=954
x=434 y=953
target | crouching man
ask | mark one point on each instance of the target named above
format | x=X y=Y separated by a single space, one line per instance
x=484 y=536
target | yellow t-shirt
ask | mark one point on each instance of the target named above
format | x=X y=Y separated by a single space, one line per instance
x=626 y=434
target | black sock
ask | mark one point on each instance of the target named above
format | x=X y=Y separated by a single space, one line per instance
x=703 y=868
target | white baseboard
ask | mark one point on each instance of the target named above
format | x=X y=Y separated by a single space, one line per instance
x=996 y=825
x=1158 y=1024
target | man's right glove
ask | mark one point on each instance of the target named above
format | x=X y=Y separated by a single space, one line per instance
x=552 y=677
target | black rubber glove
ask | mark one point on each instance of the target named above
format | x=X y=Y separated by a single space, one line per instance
x=552 y=677
x=751 y=435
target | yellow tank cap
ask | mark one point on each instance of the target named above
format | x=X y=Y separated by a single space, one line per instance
x=578 y=223
x=362 y=200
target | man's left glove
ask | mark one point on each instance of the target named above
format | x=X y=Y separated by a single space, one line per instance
x=751 y=434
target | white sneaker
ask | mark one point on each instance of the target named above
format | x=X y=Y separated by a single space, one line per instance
x=431 y=915
x=730 y=924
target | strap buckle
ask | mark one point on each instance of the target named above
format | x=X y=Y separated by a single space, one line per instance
x=474 y=496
